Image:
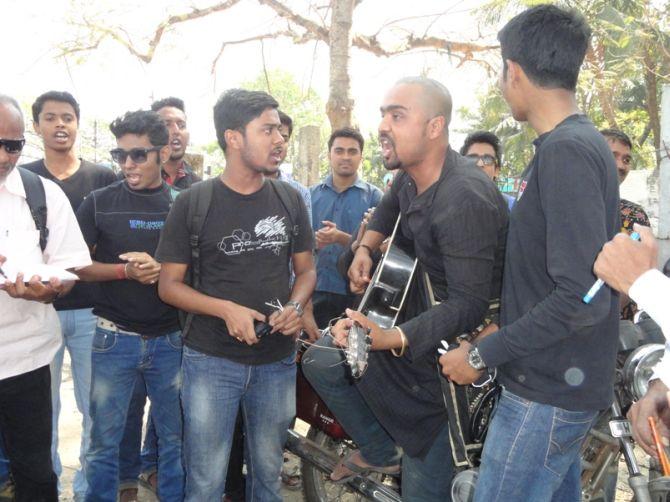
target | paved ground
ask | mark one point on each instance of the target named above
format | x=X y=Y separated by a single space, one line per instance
x=70 y=430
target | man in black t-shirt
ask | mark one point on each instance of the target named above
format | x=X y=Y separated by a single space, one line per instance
x=56 y=119
x=137 y=335
x=177 y=173
x=250 y=234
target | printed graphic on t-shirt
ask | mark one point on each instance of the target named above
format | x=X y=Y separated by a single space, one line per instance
x=269 y=233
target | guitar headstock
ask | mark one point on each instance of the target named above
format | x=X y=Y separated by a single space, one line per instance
x=358 y=347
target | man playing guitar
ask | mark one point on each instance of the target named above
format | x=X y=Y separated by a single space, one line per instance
x=455 y=220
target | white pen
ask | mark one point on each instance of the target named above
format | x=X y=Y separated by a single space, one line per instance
x=599 y=283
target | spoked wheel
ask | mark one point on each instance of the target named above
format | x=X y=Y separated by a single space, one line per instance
x=317 y=486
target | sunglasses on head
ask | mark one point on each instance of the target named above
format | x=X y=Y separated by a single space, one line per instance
x=137 y=155
x=12 y=146
x=487 y=160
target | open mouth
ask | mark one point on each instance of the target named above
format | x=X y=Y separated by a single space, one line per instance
x=175 y=144
x=386 y=146
x=276 y=155
x=133 y=178
x=61 y=136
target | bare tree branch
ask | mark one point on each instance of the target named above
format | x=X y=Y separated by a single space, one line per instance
x=371 y=44
x=148 y=54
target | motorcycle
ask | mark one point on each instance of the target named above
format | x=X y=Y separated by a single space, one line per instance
x=326 y=442
x=641 y=346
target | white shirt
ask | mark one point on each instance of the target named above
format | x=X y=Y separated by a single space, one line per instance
x=29 y=330
x=651 y=292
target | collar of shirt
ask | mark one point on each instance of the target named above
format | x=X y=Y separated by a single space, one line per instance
x=13 y=183
x=328 y=182
x=181 y=173
x=425 y=200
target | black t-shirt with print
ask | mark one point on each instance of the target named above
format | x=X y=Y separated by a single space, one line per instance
x=244 y=258
x=116 y=220
x=87 y=178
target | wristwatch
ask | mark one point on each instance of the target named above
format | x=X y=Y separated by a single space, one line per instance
x=475 y=360
x=296 y=306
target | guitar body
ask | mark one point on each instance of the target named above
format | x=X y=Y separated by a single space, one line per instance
x=382 y=302
x=385 y=296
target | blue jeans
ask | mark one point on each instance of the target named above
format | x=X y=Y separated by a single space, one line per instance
x=214 y=389
x=133 y=457
x=423 y=479
x=532 y=452
x=119 y=359
x=77 y=327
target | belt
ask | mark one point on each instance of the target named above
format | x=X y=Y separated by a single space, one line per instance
x=110 y=326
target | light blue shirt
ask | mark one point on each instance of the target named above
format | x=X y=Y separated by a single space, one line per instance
x=302 y=190
x=346 y=209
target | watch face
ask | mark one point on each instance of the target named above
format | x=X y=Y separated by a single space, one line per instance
x=474 y=359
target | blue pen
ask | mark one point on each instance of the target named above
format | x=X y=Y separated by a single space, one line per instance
x=599 y=283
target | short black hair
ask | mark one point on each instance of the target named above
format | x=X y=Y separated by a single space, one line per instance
x=169 y=101
x=617 y=135
x=287 y=121
x=141 y=122
x=483 y=137
x=549 y=43
x=346 y=132
x=236 y=108
x=60 y=96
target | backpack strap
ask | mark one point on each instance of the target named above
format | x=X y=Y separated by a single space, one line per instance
x=282 y=191
x=37 y=203
x=200 y=198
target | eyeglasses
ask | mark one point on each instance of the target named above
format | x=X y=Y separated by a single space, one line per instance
x=137 y=155
x=12 y=146
x=487 y=160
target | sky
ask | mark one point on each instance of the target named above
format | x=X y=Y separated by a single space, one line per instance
x=109 y=81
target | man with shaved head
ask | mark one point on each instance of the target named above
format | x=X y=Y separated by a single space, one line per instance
x=455 y=220
x=29 y=328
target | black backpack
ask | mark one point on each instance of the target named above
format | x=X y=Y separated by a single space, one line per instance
x=200 y=198
x=37 y=202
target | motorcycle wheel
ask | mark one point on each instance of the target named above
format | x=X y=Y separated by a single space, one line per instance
x=316 y=484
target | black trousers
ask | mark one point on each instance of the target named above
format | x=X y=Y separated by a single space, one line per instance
x=25 y=422
x=327 y=306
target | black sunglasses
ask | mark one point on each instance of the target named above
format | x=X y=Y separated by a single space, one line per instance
x=12 y=146
x=487 y=160
x=137 y=155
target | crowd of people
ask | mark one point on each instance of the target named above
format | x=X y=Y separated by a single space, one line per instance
x=193 y=293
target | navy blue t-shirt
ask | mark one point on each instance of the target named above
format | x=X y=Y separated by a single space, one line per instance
x=116 y=220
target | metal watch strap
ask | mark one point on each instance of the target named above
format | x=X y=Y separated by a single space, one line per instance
x=296 y=306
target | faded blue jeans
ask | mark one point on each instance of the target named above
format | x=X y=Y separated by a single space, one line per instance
x=423 y=479
x=531 y=452
x=77 y=326
x=213 y=391
x=136 y=458
x=118 y=361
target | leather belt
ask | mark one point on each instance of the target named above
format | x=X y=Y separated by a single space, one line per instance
x=110 y=326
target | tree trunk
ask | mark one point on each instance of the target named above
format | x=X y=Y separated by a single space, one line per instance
x=651 y=85
x=340 y=104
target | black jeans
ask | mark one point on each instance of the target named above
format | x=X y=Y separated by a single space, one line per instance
x=25 y=422
x=327 y=306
